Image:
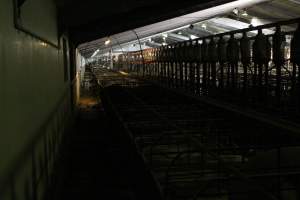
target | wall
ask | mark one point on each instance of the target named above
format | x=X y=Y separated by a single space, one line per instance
x=31 y=85
x=80 y=69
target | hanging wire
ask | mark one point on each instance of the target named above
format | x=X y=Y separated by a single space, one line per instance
x=141 y=51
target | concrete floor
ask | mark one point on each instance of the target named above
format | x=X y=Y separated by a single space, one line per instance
x=98 y=160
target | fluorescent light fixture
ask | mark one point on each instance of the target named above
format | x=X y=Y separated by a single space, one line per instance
x=180 y=22
x=255 y=21
x=230 y=22
x=235 y=11
x=244 y=13
x=95 y=53
x=193 y=37
x=107 y=42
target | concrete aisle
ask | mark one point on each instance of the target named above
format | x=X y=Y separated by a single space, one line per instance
x=99 y=162
x=94 y=166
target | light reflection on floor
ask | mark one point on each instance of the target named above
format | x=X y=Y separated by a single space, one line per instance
x=88 y=102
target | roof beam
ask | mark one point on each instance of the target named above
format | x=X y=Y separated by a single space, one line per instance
x=198 y=31
x=178 y=37
x=153 y=44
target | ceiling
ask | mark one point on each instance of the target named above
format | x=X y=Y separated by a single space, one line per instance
x=208 y=11
x=92 y=19
x=209 y=20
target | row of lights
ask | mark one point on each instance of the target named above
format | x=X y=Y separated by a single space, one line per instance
x=236 y=11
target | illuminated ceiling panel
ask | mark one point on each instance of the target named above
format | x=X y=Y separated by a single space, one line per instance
x=206 y=22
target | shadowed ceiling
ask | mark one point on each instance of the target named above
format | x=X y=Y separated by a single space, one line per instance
x=92 y=19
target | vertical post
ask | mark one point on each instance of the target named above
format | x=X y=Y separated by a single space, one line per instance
x=185 y=49
x=260 y=76
x=221 y=80
x=111 y=58
x=168 y=66
x=164 y=65
x=213 y=58
x=278 y=58
x=172 y=73
x=198 y=63
x=266 y=80
x=233 y=58
x=228 y=75
x=204 y=55
x=261 y=57
x=222 y=56
x=198 y=77
x=181 y=60
x=204 y=78
x=156 y=64
x=295 y=59
x=185 y=75
x=176 y=73
x=214 y=74
x=192 y=77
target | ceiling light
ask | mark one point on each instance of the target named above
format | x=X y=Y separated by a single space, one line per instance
x=193 y=37
x=164 y=44
x=254 y=21
x=107 y=42
x=204 y=26
x=179 y=33
x=235 y=11
x=165 y=35
x=95 y=53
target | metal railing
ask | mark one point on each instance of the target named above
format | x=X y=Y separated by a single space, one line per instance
x=257 y=67
x=196 y=149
